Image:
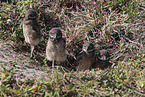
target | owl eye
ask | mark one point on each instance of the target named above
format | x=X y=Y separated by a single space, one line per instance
x=32 y=16
x=58 y=36
x=52 y=35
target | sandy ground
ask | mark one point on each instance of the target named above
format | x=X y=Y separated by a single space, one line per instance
x=20 y=61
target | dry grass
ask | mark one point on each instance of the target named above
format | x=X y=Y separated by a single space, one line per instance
x=114 y=25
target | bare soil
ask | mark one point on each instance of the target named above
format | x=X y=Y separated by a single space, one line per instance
x=16 y=59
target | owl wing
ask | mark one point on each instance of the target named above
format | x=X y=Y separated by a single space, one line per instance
x=63 y=42
x=36 y=31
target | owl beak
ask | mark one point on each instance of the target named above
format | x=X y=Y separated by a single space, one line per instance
x=53 y=37
x=85 y=51
x=103 y=57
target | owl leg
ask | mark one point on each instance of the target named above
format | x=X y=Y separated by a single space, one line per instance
x=53 y=63
x=32 y=49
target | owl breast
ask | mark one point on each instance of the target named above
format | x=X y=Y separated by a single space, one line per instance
x=86 y=62
x=61 y=54
x=30 y=35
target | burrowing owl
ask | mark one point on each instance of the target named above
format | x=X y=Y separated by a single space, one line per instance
x=31 y=29
x=102 y=61
x=87 y=57
x=55 y=50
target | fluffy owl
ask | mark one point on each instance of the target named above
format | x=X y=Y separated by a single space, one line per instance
x=31 y=29
x=87 y=57
x=55 y=50
x=102 y=60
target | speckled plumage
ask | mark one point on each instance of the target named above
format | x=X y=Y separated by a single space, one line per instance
x=87 y=57
x=31 y=29
x=55 y=50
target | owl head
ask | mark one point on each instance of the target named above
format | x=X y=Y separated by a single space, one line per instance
x=103 y=55
x=88 y=47
x=55 y=34
x=31 y=14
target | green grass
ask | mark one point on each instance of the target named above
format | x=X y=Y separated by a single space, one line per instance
x=97 y=22
x=123 y=79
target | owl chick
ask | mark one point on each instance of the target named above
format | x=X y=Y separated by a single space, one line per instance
x=87 y=57
x=31 y=29
x=103 y=59
x=55 y=50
